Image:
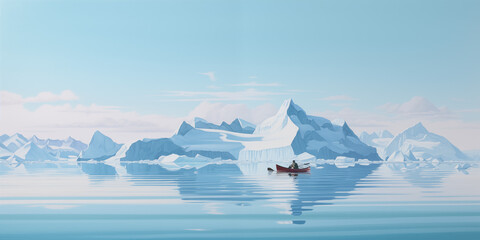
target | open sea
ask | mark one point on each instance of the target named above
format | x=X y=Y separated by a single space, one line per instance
x=70 y=200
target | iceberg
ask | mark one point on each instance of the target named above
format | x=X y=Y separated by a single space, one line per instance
x=211 y=143
x=424 y=145
x=237 y=125
x=187 y=141
x=152 y=149
x=4 y=137
x=401 y=157
x=463 y=166
x=67 y=148
x=100 y=147
x=4 y=152
x=286 y=135
x=378 y=140
x=15 y=142
x=32 y=152
x=291 y=132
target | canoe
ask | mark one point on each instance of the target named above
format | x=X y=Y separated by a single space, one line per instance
x=284 y=169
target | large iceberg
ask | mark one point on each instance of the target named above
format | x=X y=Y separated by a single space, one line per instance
x=284 y=136
x=100 y=147
x=292 y=132
x=424 y=145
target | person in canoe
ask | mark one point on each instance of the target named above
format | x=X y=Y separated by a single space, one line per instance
x=294 y=165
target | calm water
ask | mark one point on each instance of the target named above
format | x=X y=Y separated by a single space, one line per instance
x=67 y=200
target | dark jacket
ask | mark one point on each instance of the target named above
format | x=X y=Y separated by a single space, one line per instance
x=294 y=166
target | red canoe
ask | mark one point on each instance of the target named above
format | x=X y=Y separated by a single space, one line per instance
x=284 y=169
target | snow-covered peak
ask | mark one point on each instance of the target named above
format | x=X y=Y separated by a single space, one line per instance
x=237 y=125
x=14 y=142
x=32 y=152
x=4 y=152
x=315 y=135
x=339 y=122
x=199 y=120
x=3 y=137
x=365 y=136
x=184 y=128
x=36 y=140
x=418 y=129
x=368 y=137
x=243 y=123
x=100 y=147
x=281 y=119
x=98 y=135
x=19 y=136
x=290 y=105
x=240 y=125
x=384 y=134
x=424 y=145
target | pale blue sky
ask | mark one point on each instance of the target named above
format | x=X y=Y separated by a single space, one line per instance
x=140 y=55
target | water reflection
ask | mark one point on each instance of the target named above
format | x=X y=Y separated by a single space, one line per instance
x=423 y=174
x=214 y=182
x=97 y=169
x=327 y=183
x=241 y=183
x=226 y=182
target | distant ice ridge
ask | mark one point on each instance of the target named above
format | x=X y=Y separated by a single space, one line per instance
x=18 y=147
x=15 y=142
x=284 y=136
x=237 y=125
x=32 y=152
x=417 y=143
x=378 y=140
x=4 y=152
x=61 y=148
x=100 y=147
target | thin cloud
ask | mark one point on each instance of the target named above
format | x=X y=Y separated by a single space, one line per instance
x=218 y=112
x=256 y=84
x=416 y=106
x=454 y=129
x=210 y=75
x=196 y=96
x=213 y=87
x=339 y=98
x=80 y=121
x=9 y=98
